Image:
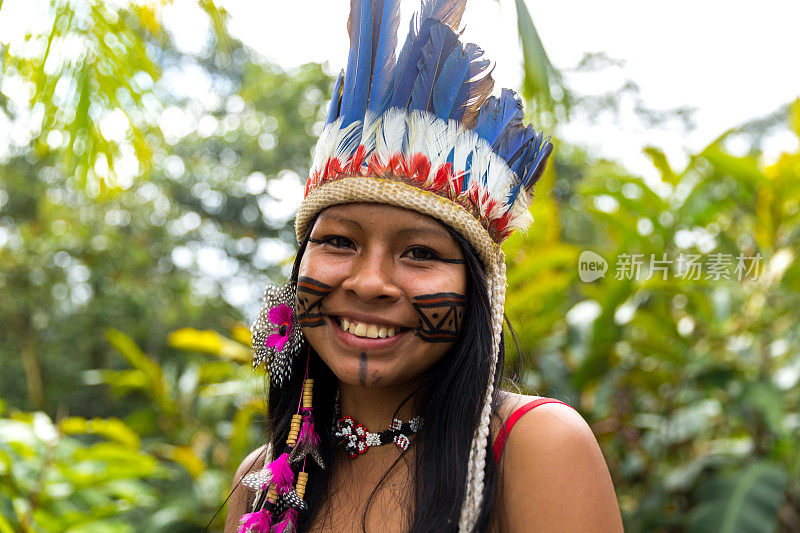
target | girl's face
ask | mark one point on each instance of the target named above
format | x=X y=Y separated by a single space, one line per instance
x=381 y=293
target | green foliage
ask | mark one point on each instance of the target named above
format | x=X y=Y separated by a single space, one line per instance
x=133 y=259
x=686 y=379
x=538 y=69
x=94 y=64
x=197 y=423
x=54 y=481
x=745 y=501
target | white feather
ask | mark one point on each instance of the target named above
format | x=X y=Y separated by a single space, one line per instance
x=465 y=145
x=346 y=142
x=390 y=135
x=372 y=123
x=421 y=133
x=325 y=145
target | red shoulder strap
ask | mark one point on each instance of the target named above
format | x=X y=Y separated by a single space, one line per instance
x=500 y=441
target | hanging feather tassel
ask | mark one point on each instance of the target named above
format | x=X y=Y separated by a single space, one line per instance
x=282 y=474
x=258 y=522
x=307 y=432
x=259 y=480
x=288 y=522
x=307 y=442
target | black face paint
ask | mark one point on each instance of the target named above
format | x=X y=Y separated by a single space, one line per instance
x=440 y=316
x=454 y=261
x=310 y=293
x=362 y=369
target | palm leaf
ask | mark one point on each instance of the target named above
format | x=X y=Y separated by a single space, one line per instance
x=747 y=501
x=536 y=84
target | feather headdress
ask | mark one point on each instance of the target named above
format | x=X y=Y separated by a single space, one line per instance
x=422 y=131
x=427 y=118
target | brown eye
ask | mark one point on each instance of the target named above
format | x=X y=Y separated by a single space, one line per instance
x=420 y=253
x=338 y=241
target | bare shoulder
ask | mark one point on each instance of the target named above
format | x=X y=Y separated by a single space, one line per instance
x=554 y=476
x=240 y=497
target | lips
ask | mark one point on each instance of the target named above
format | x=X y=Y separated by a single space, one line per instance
x=361 y=336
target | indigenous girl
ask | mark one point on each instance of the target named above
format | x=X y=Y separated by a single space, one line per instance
x=385 y=349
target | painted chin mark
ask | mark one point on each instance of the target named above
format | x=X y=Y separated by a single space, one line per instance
x=440 y=316
x=362 y=369
x=310 y=293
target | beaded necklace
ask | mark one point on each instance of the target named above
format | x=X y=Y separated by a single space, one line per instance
x=355 y=439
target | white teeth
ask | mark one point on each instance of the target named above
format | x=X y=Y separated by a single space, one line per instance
x=371 y=331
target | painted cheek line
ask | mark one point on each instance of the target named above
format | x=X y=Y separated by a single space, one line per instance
x=310 y=293
x=440 y=315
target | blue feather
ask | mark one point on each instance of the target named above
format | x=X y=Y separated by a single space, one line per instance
x=513 y=193
x=434 y=54
x=467 y=172
x=359 y=65
x=476 y=88
x=460 y=83
x=495 y=115
x=529 y=163
x=447 y=11
x=336 y=100
x=449 y=83
x=384 y=45
x=513 y=138
x=408 y=64
x=536 y=167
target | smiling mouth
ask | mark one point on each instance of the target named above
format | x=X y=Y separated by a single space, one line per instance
x=365 y=329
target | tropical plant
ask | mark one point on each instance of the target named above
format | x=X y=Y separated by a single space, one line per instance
x=688 y=374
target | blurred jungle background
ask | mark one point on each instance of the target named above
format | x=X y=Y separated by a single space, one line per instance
x=139 y=223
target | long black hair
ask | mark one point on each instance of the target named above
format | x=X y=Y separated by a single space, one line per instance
x=449 y=399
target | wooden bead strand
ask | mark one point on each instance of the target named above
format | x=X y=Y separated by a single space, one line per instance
x=294 y=430
x=308 y=388
x=272 y=494
x=300 y=487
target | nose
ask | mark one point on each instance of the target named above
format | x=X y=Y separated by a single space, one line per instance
x=372 y=277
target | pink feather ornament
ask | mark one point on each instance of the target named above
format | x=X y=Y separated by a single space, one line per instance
x=288 y=523
x=282 y=474
x=258 y=522
x=308 y=434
